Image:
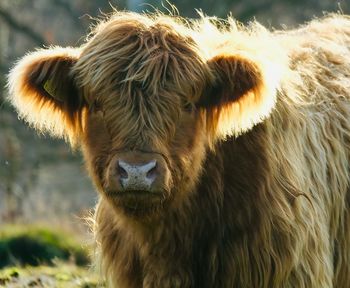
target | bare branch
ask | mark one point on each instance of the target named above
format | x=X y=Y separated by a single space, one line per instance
x=20 y=27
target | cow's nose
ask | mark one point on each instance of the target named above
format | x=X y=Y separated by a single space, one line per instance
x=137 y=176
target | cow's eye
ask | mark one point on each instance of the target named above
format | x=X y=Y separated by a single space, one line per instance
x=188 y=107
x=96 y=106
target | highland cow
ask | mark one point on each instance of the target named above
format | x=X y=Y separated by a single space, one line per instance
x=220 y=152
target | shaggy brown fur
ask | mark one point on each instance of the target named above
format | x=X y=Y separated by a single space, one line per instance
x=254 y=128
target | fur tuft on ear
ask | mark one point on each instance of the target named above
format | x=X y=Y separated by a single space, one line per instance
x=43 y=91
x=242 y=95
x=246 y=67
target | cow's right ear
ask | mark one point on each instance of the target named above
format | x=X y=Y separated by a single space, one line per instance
x=43 y=90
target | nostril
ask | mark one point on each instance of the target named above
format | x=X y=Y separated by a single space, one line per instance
x=121 y=171
x=152 y=173
x=137 y=176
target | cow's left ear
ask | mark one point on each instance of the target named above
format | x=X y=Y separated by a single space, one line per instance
x=241 y=94
x=42 y=89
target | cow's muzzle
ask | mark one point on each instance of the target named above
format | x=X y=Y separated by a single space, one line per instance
x=135 y=176
x=138 y=176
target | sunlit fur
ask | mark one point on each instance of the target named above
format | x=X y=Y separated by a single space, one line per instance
x=42 y=112
x=256 y=45
x=141 y=57
x=260 y=183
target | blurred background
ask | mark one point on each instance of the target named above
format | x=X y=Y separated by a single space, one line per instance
x=41 y=179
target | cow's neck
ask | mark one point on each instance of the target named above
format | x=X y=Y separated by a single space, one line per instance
x=215 y=218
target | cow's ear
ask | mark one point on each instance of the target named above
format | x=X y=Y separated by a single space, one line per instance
x=43 y=90
x=241 y=94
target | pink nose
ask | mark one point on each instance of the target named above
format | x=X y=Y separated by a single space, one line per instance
x=137 y=176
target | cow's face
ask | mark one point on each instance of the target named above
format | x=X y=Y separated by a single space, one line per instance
x=145 y=102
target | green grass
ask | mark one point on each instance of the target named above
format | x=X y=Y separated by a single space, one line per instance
x=61 y=275
x=33 y=245
x=34 y=256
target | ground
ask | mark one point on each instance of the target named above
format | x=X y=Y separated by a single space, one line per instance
x=40 y=256
x=61 y=275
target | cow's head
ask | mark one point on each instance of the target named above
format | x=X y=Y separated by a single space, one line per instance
x=145 y=101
